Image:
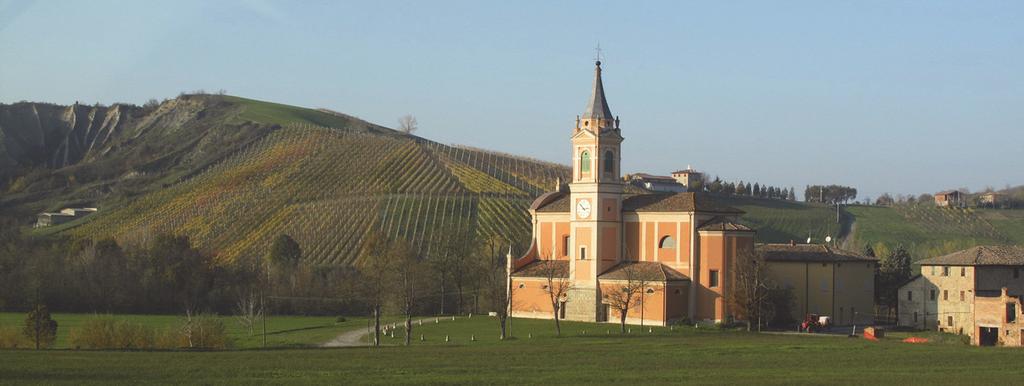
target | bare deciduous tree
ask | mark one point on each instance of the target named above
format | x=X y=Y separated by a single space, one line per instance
x=623 y=298
x=376 y=270
x=495 y=280
x=249 y=308
x=407 y=124
x=750 y=295
x=409 y=273
x=557 y=288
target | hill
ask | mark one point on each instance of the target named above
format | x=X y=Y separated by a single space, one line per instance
x=232 y=173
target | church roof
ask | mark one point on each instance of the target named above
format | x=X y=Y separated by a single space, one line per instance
x=809 y=252
x=723 y=224
x=675 y=202
x=646 y=270
x=597 y=106
x=654 y=202
x=541 y=268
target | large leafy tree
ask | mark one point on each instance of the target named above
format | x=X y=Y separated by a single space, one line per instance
x=893 y=271
x=285 y=252
x=40 y=328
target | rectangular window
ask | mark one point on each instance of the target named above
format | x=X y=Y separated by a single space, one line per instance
x=949 y=321
x=565 y=245
x=932 y=297
x=910 y=295
x=583 y=253
x=945 y=270
x=933 y=270
x=915 y=316
x=945 y=294
x=963 y=271
x=961 y=296
x=713 y=279
x=1011 y=313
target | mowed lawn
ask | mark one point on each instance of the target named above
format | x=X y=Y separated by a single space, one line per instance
x=682 y=355
x=282 y=331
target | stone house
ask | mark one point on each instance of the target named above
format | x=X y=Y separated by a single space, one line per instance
x=944 y=296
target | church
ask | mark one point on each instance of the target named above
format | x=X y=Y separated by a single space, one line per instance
x=589 y=233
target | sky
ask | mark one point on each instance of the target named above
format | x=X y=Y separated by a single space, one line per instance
x=885 y=96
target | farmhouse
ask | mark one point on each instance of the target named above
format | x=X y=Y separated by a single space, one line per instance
x=689 y=178
x=656 y=183
x=992 y=199
x=46 y=219
x=957 y=292
x=999 y=319
x=824 y=280
x=589 y=236
x=949 y=198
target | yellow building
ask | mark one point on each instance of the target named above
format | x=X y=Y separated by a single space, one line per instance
x=824 y=280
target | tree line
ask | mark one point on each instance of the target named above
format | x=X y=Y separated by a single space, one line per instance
x=829 y=194
x=168 y=275
x=746 y=189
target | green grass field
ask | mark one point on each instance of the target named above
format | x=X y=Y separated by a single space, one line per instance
x=282 y=331
x=683 y=355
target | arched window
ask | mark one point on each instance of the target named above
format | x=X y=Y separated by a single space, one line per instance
x=667 y=242
x=609 y=162
x=585 y=162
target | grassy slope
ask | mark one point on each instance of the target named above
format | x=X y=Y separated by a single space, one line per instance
x=778 y=221
x=682 y=355
x=927 y=231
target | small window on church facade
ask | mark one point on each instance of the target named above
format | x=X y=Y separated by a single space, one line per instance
x=667 y=242
x=585 y=162
x=565 y=245
x=609 y=162
x=713 y=279
x=583 y=253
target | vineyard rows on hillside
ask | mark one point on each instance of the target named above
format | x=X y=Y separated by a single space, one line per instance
x=329 y=189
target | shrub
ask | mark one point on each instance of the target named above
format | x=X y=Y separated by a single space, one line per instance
x=203 y=331
x=340 y=319
x=10 y=337
x=110 y=333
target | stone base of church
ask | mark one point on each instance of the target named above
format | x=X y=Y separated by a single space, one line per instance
x=582 y=304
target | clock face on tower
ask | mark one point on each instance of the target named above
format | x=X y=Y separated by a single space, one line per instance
x=583 y=208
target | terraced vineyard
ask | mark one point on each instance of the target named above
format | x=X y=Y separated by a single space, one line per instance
x=328 y=188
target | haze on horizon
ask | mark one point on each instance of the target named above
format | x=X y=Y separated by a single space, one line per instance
x=900 y=97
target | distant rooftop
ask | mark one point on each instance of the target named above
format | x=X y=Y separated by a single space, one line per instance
x=981 y=255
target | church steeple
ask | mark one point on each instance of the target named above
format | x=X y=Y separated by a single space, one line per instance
x=597 y=107
x=597 y=117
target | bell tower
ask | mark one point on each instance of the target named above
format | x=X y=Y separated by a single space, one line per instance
x=596 y=198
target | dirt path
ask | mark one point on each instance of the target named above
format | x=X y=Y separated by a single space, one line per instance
x=355 y=338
